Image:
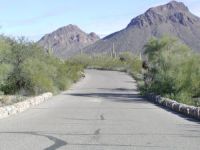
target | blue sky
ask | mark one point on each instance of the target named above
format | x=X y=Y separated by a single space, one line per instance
x=34 y=18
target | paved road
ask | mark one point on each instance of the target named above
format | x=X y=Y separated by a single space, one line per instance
x=102 y=112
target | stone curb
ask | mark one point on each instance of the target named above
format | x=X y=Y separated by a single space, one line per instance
x=189 y=111
x=7 y=111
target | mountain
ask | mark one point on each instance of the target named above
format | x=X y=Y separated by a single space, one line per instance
x=172 y=19
x=67 y=41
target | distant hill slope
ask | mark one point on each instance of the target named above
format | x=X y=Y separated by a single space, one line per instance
x=172 y=19
x=67 y=41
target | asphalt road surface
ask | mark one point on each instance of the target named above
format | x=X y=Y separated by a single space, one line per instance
x=101 y=112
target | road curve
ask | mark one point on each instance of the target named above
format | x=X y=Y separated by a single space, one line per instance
x=102 y=112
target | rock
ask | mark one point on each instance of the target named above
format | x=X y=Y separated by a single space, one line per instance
x=24 y=105
x=187 y=110
x=175 y=106
x=157 y=98
x=3 y=113
x=198 y=113
x=192 y=111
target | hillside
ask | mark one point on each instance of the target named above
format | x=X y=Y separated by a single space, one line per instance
x=67 y=41
x=172 y=19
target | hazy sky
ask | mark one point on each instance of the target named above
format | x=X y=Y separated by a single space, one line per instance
x=34 y=18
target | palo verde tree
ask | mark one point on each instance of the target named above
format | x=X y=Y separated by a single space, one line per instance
x=172 y=70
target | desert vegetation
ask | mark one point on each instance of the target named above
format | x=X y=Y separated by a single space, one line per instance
x=169 y=69
x=125 y=61
x=172 y=70
x=26 y=69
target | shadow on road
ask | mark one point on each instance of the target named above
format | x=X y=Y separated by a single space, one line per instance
x=57 y=143
x=115 y=97
x=117 y=89
x=123 y=95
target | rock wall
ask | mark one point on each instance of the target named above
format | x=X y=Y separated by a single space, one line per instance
x=186 y=110
x=24 y=105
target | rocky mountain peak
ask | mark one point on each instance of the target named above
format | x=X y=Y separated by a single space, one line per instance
x=172 y=19
x=67 y=40
x=93 y=36
x=177 y=6
x=173 y=11
x=72 y=27
x=171 y=6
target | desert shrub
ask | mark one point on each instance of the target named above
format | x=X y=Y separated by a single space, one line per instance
x=5 y=69
x=173 y=70
x=38 y=76
x=106 y=62
x=20 y=52
x=126 y=61
x=25 y=68
x=74 y=71
x=132 y=62
x=83 y=59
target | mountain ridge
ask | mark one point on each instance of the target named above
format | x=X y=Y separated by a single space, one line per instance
x=67 y=41
x=172 y=19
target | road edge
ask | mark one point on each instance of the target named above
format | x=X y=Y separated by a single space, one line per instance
x=186 y=110
x=16 y=108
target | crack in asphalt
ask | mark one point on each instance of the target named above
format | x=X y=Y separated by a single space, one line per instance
x=102 y=117
x=57 y=142
x=121 y=145
x=97 y=132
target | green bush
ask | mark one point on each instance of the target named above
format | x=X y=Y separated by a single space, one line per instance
x=25 y=68
x=123 y=62
x=132 y=62
x=38 y=75
x=173 y=70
